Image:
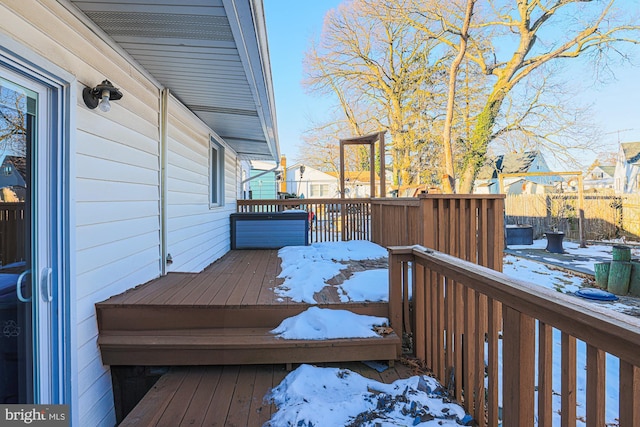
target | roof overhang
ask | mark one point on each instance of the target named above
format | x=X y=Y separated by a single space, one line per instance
x=211 y=54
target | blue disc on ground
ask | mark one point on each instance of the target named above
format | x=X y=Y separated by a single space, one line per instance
x=596 y=294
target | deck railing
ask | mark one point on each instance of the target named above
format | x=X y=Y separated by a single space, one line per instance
x=330 y=220
x=489 y=339
x=11 y=232
x=468 y=226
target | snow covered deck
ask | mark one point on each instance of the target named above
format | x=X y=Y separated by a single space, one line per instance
x=226 y=395
x=223 y=316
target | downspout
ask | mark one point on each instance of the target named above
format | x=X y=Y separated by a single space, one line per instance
x=164 y=124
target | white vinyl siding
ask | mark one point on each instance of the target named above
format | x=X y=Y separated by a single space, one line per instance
x=116 y=198
x=197 y=234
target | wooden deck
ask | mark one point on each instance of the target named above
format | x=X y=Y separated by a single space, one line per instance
x=225 y=395
x=222 y=316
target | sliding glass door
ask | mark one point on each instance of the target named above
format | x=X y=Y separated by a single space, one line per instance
x=27 y=283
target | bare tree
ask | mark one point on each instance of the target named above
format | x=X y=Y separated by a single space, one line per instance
x=448 y=181
x=365 y=57
x=509 y=42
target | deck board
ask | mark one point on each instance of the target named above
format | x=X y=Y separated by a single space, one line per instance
x=239 y=278
x=226 y=395
x=201 y=400
x=222 y=397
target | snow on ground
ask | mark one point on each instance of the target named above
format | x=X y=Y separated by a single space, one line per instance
x=587 y=256
x=328 y=397
x=320 y=323
x=540 y=274
x=312 y=396
x=305 y=269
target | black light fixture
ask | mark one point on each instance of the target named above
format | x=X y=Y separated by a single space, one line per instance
x=100 y=96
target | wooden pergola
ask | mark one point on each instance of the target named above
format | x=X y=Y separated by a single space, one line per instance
x=369 y=140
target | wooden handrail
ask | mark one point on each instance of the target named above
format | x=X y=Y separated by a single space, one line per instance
x=462 y=308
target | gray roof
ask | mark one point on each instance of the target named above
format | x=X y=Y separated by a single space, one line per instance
x=507 y=163
x=211 y=54
x=631 y=151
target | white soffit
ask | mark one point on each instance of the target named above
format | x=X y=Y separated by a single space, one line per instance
x=209 y=53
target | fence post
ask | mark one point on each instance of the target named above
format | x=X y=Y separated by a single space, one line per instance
x=518 y=368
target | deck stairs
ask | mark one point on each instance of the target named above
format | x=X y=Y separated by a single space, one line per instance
x=141 y=327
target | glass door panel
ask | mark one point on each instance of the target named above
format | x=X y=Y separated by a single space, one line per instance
x=21 y=324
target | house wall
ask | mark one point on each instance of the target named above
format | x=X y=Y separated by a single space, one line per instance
x=308 y=184
x=264 y=187
x=626 y=178
x=116 y=206
x=197 y=233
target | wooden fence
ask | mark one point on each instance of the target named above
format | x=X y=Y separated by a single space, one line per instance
x=12 y=230
x=469 y=320
x=605 y=216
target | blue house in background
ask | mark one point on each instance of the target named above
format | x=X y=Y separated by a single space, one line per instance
x=263 y=183
x=530 y=161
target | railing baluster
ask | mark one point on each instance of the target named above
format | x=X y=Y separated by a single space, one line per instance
x=494 y=326
x=545 y=374
x=478 y=388
x=459 y=346
x=468 y=342
x=440 y=326
x=419 y=298
x=568 y=392
x=518 y=368
x=595 y=386
x=629 y=394
x=450 y=286
x=432 y=339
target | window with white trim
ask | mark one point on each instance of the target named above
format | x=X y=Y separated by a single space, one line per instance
x=216 y=173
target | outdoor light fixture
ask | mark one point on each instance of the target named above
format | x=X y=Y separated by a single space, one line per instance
x=100 y=96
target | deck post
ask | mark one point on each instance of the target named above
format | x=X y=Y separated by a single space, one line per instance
x=397 y=255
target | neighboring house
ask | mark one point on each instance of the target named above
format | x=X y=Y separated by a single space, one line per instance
x=308 y=182
x=356 y=183
x=531 y=161
x=526 y=186
x=119 y=194
x=627 y=173
x=599 y=176
x=261 y=181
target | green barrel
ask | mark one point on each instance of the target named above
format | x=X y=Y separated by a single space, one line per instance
x=621 y=253
x=619 y=275
x=634 y=281
x=601 y=270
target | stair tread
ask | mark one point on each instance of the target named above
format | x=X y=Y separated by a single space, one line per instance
x=222 y=337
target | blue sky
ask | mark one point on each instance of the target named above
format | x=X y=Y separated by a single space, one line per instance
x=292 y=23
